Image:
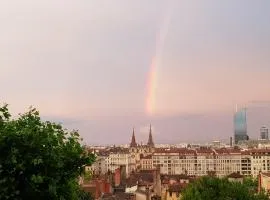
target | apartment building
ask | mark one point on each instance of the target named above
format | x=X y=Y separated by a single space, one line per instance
x=197 y=161
x=175 y=161
x=146 y=162
x=260 y=161
x=205 y=161
x=99 y=166
x=118 y=157
x=227 y=161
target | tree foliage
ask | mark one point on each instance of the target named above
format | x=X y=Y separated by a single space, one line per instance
x=88 y=175
x=39 y=160
x=251 y=183
x=207 y=188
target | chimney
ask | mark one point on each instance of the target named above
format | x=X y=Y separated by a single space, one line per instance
x=157 y=181
x=147 y=193
x=102 y=186
x=260 y=182
x=123 y=174
x=107 y=187
x=98 y=191
x=117 y=177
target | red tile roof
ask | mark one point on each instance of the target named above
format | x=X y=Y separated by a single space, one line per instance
x=147 y=157
x=235 y=175
x=228 y=151
x=179 y=187
x=174 y=150
x=265 y=174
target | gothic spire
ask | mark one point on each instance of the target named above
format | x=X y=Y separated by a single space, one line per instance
x=150 y=138
x=133 y=140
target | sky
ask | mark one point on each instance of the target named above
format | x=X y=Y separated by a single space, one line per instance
x=104 y=67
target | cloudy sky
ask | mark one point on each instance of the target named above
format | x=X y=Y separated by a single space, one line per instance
x=87 y=64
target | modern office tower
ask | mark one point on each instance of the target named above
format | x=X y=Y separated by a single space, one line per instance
x=240 y=126
x=264 y=133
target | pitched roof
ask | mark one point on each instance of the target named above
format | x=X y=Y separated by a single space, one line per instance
x=265 y=174
x=133 y=140
x=235 y=175
x=177 y=187
x=150 y=142
x=147 y=157
x=181 y=151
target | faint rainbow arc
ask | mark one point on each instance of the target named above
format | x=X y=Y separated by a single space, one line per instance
x=155 y=63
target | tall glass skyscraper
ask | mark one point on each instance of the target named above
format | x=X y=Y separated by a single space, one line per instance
x=240 y=126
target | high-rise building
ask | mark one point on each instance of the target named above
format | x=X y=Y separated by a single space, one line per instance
x=264 y=133
x=240 y=126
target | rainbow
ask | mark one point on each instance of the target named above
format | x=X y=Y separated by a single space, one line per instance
x=151 y=87
x=151 y=84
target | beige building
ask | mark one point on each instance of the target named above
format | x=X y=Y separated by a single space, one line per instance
x=130 y=157
x=173 y=192
x=227 y=161
x=260 y=161
x=98 y=167
x=119 y=157
x=198 y=161
x=206 y=162
x=264 y=182
x=175 y=161
x=146 y=162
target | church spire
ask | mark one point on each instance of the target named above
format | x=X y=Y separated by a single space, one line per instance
x=133 y=140
x=150 y=142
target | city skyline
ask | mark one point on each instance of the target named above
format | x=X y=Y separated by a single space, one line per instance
x=104 y=67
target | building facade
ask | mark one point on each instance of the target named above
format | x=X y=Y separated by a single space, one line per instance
x=197 y=161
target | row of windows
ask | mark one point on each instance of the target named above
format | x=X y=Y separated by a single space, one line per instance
x=207 y=157
x=201 y=161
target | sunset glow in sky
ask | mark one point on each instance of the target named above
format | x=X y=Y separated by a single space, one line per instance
x=105 y=66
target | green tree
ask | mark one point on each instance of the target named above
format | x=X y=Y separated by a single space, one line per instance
x=88 y=175
x=251 y=183
x=39 y=159
x=207 y=188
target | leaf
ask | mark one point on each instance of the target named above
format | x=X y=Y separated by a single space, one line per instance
x=41 y=160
